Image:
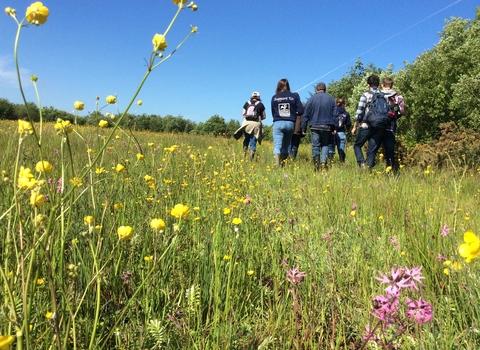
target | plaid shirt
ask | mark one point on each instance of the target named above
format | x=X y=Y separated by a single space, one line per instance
x=362 y=105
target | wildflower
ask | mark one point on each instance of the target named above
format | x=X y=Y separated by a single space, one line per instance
x=26 y=180
x=395 y=282
x=11 y=12
x=159 y=43
x=250 y=272
x=237 y=221
x=125 y=233
x=40 y=220
x=157 y=224
x=294 y=276
x=63 y=126
x=43 y=166
x=248 y=199
x=395 y=243
x=88 y=220
x=111 y=99
x=227 y=257
x=120 y=168
x=353 y=213
x=445 y=231
x=471 y=248
x=37 y=13
x=148 y=258
x=180 y=211
x=150 y=144
x=139 y=102
x=103 y=123
x=118 y=206
x=5 y=341
x=40 y=281
x=99 y=170
x=50 y=315
x=79 y=105
x=37 y=199
x=24 y=127
x=419 y=310
x=179 y=2
x=77 y=182
x=380 y=218
x=140 y=156
x=226 y=211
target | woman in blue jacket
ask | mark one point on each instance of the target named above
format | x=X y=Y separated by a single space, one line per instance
x=285 y=108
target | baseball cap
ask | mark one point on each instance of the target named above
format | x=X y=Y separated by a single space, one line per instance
x=255 y=94
x=321 y=86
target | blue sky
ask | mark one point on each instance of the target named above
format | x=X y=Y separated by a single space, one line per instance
x=92 y=48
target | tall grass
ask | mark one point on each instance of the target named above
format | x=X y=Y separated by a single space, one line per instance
x=206 y=283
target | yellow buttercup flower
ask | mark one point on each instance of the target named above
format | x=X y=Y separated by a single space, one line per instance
x=88 y=220
x=26 y=180
x=43 y=166
x=77 y=182
x=5 y=341
x=40 y=281
x=148 y=257
x=471 y=248
x=111 y=99
x=120 y=168
x=159 y=43
x=37 y=13
x=250 y=272
x=49 y=315
x=140 y=156
x=103 y=123
x=237 y=221
x=79 y=105
x=157 y=224
x=180 y=211
x=37 y=199
x=24 y=127
x=177 y=2
x=226 y=211
x=99 y=170
x=63 y=126
x=125 y=233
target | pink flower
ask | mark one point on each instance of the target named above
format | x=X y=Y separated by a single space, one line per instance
x=248 y=200
x=445 y=231
x=419 y=310
x=294 y=276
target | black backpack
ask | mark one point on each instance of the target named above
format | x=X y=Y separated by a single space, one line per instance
x=377 y=115
x=252 y=113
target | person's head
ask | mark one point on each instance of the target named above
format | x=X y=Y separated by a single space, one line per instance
x=387 y=83
x=321 y=87
x=340 y=102
x=255 y=96
x=282 y=86
x=373 y=81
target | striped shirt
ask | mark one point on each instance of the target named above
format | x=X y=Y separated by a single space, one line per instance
x=362 y=105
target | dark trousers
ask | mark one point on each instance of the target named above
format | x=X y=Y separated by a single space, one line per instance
x=374 y=138
x=389 y=145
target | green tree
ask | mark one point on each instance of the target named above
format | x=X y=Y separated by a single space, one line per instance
x=6 y=109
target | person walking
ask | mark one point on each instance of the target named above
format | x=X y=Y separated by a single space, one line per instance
x=285 y=108
x=366 y=131
x=253 y=113
x=319 y=114
x=396 y=110
x=297 y=136
x=342 y=124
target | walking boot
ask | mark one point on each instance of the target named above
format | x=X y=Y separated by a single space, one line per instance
x=316 y=163
x=293 y=154
x=245 y=149
x=341 y=155
x=252 y=155
x=330 y=156
x=277 y=160
x=283 y=158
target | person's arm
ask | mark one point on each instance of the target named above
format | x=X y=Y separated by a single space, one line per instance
x=360 y=112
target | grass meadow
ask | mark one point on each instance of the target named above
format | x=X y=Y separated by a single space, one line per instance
x=254 y=257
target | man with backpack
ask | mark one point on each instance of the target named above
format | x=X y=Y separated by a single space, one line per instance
x=253 y=114
x=396 y=109
x=372 y=119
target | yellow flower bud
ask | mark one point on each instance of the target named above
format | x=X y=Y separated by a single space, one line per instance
x=34 y=78
x=103 y=123
x=37 y=13
x=139 y=102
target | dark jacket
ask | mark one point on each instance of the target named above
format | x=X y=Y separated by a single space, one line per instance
x=320 y=110
x=347 y=122
x=286 y=106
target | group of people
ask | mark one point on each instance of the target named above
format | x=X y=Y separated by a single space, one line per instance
x=329 y=123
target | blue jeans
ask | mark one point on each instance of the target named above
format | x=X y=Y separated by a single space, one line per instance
x=250 y=139
x=374 y=138
x=320 y=142
x=282 y=134
x=340 y=140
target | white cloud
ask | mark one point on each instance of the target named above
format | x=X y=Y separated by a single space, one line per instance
x=8 y=74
